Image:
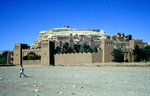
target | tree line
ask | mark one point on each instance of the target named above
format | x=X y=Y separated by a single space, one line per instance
x=76 y=49
x=3 y=57
x=32 y=56
x=139 y=54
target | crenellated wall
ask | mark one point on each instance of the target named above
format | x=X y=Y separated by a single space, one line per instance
x=25 y=52
x=77 y=58
x=73 y=59
x=49 y=58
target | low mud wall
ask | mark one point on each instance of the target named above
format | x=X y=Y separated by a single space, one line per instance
x=97 y=57
x=31 y=62
x=73 y=59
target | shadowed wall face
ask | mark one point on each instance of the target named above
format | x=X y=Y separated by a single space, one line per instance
x=52 y=58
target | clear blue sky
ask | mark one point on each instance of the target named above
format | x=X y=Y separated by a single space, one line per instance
x=22 y=20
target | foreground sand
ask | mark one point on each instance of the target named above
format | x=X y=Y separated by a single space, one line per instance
x=75 y=81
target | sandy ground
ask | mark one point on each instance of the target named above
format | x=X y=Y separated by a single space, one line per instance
x=75 y=81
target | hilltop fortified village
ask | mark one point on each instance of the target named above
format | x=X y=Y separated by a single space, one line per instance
x=44 y=47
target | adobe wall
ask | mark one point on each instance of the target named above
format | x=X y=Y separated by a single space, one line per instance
x=9 y=57
x=107 y=48
x=25 y=52
x=31 y=62
x=46 y=52
x=97 y=57
x=73 y=59
x=17 y=54
x=132 y=43
x=128 y=56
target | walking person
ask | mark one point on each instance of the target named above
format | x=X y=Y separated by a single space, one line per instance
x=22 y=72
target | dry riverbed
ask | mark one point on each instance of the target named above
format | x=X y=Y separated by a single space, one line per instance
x=75 y=81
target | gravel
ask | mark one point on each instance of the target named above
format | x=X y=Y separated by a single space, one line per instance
x=75 y=81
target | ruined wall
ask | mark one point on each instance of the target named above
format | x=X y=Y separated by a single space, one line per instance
x=73 y=59
x=132 y=43
x=128 y=56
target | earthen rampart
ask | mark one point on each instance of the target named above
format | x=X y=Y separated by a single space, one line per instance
x=31 y=62
x=97 y=57
x=73 y=59
x=77 y=58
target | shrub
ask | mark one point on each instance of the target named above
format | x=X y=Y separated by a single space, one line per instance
x=32 y=56
x=118 y=55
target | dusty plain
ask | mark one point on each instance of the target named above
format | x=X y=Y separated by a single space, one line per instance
x=75 y=81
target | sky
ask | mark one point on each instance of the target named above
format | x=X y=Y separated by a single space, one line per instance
x=22 y=20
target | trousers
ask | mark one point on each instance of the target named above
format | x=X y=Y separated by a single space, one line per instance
x=22 y=73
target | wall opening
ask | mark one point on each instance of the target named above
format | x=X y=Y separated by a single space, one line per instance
x=32 y=56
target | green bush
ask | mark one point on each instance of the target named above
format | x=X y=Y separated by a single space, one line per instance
x=3 y=58
x=141 y=54
x=77 y=49
x=137 y=52
x=32 y=56
x=118 y=55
